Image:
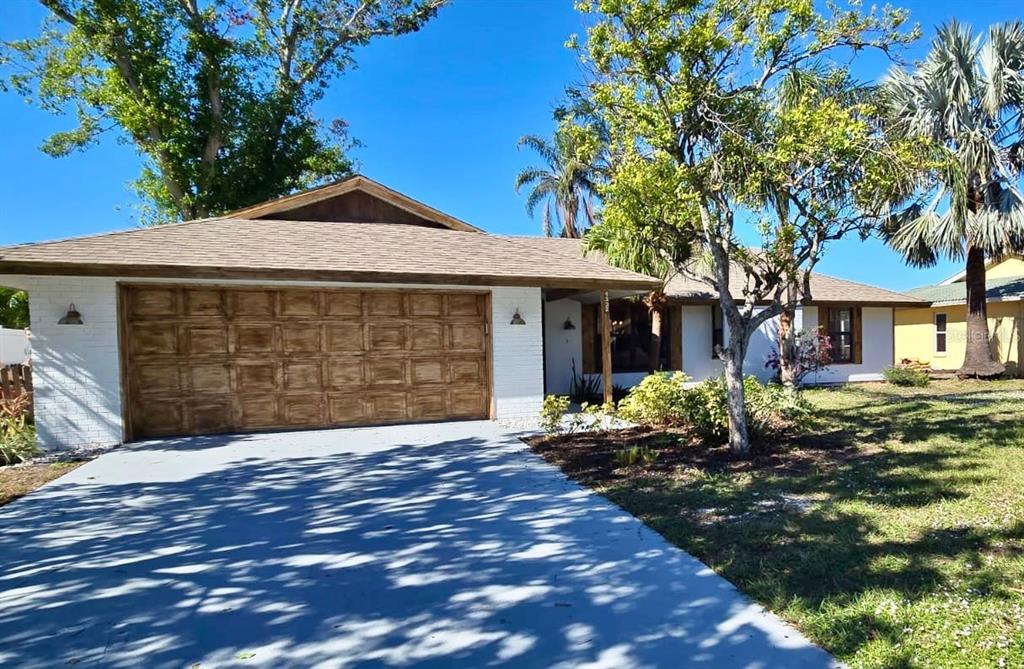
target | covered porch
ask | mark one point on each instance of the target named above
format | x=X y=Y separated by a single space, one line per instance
x=599 y=342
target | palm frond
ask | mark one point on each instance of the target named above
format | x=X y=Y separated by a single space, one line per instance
x=542 y=148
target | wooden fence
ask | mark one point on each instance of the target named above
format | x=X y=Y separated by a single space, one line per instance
x=15 y=380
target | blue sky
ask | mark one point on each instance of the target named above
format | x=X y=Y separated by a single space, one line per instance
x=438 y=113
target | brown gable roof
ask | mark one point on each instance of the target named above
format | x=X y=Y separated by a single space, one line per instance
x=304 y=201
x=824 y=288
x=317 y=251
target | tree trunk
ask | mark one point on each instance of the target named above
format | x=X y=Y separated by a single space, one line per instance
x=979 y=361
x=655 y=357
x=739 y=440
x=787 y=349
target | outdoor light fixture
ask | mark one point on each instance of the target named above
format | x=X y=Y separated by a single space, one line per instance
x=72 y=317
x=517 y=319
x=569 y=325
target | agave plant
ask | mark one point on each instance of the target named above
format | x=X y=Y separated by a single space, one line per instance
x=966 y=99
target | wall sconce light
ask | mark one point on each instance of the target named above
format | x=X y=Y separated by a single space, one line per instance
x=72 y=317
x=517 y=318
x=569 y=325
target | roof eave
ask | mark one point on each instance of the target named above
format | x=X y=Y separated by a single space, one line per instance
x=185 y=272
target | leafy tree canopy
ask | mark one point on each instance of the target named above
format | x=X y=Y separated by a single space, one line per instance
x=724 y=113
x=217 y=96
x=13 y=308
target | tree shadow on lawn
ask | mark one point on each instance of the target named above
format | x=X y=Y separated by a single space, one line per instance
x=788 y=525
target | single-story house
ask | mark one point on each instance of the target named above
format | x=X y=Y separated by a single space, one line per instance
x=857 y=317
x=353 y=304
x=937 y=334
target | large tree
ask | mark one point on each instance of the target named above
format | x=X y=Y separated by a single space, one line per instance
x=730 y=117
x=217 y=95
x=13 y=308
x=967 y=98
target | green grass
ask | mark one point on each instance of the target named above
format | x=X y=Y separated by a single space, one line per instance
x=894 y=537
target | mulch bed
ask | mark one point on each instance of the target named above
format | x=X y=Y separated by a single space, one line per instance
x=17 y=481
x=590 y=456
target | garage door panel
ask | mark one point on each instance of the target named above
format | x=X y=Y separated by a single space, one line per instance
x=254 y=338
x=252 y=303
x=467 y=403
x=345 y=408
x=428 y=406
x=259 y=411
x=345 y=372
x=205 y=359
x=159 y=419
x=154 y=301
x=388 y=407
x=303 y=410
x=154 y=339
x=301 y=338
x=344 y=337
x=205 y=302
x=255 y=377
x=467 y=371
x=386 y=337
x=426 y=371
x=426 y=304
x=209 y=378
x=387 y=371
x=468 y=337
x=210 y=415
x=206 y=340
x=383 y=304
x=303 y=375
x=156 y=379
x=343 y=304
x=300 y=303
x=427 y=337
x=466 y=305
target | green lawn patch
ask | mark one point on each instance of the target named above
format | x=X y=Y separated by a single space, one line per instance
x=894 y=537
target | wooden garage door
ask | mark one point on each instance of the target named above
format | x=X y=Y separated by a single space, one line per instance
x=202 y=360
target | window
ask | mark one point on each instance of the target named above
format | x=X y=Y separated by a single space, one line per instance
x=631 y=338
x=841 y=334
x=940 y=333
x=717 y=331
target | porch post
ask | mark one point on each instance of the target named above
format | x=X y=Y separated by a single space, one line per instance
x=606 y=347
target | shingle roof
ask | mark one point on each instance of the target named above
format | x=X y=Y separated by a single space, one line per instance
x=271 y=249
x=824 y=288
x=954 y=293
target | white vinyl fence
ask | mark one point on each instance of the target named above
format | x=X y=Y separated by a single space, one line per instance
x=14 y=347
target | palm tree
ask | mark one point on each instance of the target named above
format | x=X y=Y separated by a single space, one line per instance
x=568 y=181
x=967 y=99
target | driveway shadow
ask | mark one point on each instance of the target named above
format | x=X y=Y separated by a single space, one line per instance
x=298 y=550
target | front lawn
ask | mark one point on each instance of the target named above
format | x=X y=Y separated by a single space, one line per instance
x=894 y=537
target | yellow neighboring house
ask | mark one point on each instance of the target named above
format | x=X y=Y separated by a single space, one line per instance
x=937 y=334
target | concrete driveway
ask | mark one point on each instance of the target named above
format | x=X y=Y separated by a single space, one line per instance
x=434 y=545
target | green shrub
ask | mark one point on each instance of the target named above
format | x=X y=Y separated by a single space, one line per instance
x=657 y=400
x=552 y=411
x=660 y=400
x=906 y=376
x=637 y=455
x=17 y=436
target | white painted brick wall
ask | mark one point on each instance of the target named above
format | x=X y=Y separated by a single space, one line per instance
x=75 y=368
x=518 y=353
